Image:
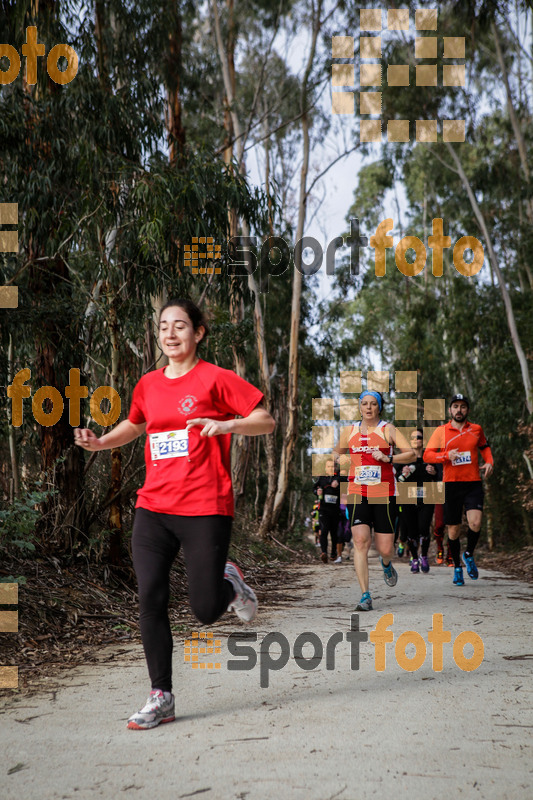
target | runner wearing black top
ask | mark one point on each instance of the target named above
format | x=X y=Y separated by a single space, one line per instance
x=415 y=519
x=327 y=489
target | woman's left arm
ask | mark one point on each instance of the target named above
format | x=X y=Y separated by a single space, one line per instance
x=406 y=454
x=257 y=422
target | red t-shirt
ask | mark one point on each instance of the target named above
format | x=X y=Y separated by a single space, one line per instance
x=467 y=441
x=368 y=477
x=189 y=476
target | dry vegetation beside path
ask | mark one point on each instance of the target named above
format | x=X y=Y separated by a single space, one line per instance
x=69 y=611
x=519 y=564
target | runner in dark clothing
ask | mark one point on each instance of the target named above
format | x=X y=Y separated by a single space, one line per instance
x=415 y=519
x=327 y=489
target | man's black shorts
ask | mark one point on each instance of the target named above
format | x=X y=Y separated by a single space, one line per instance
x=458 y=494
x=380 y=516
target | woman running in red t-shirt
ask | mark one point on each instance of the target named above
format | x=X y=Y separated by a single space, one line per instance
x=187 y=410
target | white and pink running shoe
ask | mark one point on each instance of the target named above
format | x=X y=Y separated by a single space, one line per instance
x=245 y=602
x=156 y=710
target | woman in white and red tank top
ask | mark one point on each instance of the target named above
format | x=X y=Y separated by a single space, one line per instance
x=368 y=477
x=372 y=488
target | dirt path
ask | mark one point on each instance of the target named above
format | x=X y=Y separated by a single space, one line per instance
x=340 y=733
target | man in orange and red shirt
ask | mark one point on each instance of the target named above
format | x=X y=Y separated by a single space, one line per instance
x=456 y=446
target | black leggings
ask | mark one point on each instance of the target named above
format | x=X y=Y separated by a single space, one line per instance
x=329 y=524
x=156 y=540
x=415 y=521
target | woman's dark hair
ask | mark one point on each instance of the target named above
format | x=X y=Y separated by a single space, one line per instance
x=195 y=315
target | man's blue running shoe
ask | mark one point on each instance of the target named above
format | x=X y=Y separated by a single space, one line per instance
x=470 y=565
x=365 y=603
x=390 y=576
x=458 y=576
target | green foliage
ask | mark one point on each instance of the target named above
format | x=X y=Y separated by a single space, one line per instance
x=453 y=330
x=17 y=523
x=103 y=217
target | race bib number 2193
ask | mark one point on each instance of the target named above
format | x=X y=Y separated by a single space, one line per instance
x=169 y=444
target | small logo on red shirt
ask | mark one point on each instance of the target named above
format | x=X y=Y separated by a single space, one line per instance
x=188 y=404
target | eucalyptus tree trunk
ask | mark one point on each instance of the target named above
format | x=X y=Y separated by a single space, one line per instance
x=277 y=477
x=520 y=141
x=49 y=276
x=291 y=431
x=175 y=128
x=264 y=370
x=107 y=247
x=509 y=313
x=515 y=122
x=176 y=131
x=239 y=444
x=265 y=383
x=115 y=508
x=157 y=358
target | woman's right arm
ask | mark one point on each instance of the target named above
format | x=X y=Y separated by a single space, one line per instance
x=124 y=432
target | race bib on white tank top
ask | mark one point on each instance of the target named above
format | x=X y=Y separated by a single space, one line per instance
x=367 y=475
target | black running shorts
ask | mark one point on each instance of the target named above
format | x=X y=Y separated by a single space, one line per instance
x=459 y=494
x=380 y=516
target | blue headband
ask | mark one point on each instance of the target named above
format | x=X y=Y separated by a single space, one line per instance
x=374 y=394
